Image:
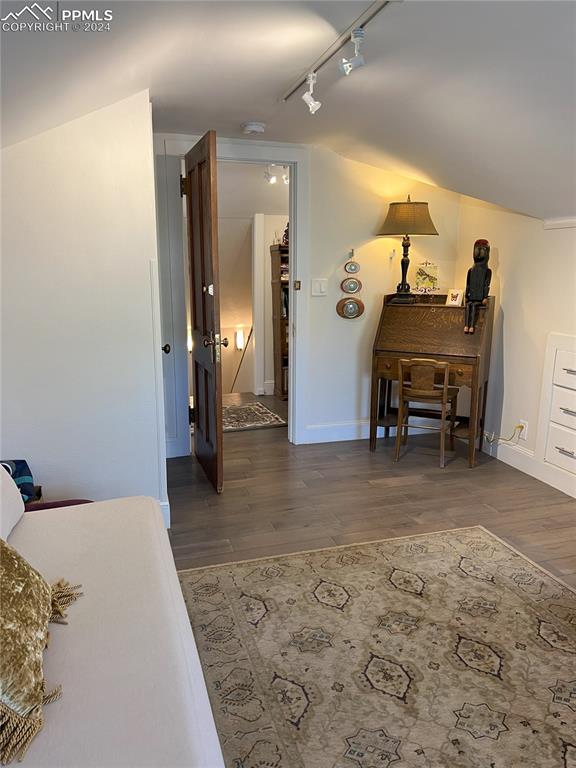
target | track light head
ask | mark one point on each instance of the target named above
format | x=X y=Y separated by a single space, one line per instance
x=270 y=175
x=348 y=65
x=308 y=97
x=313 y=105
x=354 y=62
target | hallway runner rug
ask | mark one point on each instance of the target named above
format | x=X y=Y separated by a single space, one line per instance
x=442 y=650
x=249 y=416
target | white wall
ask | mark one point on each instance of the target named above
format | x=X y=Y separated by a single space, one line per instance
x=81 y=372
x=534 y=282
x=348 y=204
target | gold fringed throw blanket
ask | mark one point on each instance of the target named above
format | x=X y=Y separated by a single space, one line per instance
x=27 y=604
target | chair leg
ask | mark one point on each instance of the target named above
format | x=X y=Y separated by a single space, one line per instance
x=399 y=430
x=405 y=436
x=443 y=436
x=453 y=413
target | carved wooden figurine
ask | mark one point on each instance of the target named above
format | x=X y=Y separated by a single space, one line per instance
x=477 y=284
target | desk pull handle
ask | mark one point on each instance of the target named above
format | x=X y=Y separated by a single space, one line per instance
x=571 y=371
x=565 y=452
x=388 y=366
x=460 y=372
x=568 y=411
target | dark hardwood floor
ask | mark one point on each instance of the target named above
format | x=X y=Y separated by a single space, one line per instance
x=280 y=498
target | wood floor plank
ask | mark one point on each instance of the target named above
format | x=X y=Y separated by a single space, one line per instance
x=280 y=498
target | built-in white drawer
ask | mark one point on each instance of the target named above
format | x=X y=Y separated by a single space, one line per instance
x=565 y=369
x=561 y=448
x=564 y=407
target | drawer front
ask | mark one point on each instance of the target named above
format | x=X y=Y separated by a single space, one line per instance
x=565 y=369
x=461 y=375
x=386 y=367
x=564 y=407
x=561 y=448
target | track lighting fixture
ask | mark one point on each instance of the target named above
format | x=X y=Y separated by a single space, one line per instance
x=348 y=65
x=308 y=97
x=270 y=175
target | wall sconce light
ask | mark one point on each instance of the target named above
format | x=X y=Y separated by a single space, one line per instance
x=239 y=339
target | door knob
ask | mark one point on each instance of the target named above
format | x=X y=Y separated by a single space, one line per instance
x=207 y=341
x=166 y=349
x=224 y=342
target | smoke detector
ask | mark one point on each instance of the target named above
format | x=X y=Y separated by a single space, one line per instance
x=252 y=127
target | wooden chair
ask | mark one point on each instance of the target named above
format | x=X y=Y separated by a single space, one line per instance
x=425 y=381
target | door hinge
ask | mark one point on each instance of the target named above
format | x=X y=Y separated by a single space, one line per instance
x=183 y=186
x=297 y=285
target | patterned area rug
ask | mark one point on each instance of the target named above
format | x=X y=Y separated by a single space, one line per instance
x=446 y=650
x=249 y=416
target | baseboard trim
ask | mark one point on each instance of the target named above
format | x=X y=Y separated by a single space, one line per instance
x=268 y=387
x=523 y=459
x=165 y=507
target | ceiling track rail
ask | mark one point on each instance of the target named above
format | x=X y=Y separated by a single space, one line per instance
x=359 y=23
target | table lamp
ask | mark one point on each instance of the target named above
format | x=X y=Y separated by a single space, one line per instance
x=406 y=219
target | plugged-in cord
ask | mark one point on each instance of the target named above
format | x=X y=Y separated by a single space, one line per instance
x=514 y=437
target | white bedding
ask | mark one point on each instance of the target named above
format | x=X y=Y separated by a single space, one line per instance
x=133 y=690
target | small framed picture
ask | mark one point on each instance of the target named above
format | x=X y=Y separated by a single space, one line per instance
x=454 y=297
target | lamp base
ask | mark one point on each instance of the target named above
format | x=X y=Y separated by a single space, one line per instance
x=403 y=298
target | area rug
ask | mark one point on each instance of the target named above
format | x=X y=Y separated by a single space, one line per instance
x=249 y=416
x=445 y=650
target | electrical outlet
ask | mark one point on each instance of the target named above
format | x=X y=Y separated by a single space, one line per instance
x=524 y=431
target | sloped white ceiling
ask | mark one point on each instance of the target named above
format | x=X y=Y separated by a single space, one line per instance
x=475 y=96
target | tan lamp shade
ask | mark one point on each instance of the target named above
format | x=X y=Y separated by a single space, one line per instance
x=408 y=219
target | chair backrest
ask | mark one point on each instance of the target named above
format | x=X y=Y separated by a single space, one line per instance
x=421 y=377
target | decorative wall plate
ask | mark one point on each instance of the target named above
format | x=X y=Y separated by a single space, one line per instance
x=352 y=267
x=350 y=308
x=351 y=285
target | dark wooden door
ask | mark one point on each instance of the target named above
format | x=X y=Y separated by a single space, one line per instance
x=200 y=189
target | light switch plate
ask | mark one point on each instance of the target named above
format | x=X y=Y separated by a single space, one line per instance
x=319 y=286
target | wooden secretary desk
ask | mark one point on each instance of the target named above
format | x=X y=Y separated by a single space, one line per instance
x=431 y=329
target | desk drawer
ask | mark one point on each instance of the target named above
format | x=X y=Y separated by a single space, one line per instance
x=561 y=448
x=386 y=367
x=461 y=375
x=564 y=407
x=565 y=369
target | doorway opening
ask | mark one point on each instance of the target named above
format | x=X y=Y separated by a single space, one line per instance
x=175 y=174
x=254 y=258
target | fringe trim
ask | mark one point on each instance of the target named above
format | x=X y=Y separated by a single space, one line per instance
x=63 y=594
x=17 y=732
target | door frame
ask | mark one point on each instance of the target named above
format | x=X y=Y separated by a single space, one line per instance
x=297 y=158
x=172 y=291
